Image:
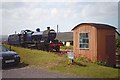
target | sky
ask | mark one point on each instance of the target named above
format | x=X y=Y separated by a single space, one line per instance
x=32 y=14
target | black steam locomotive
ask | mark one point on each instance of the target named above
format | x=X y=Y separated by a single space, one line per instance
x=43 y=40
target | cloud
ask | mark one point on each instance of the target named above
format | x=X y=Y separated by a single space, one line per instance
x=54 y=12
x=60 y=1
x=99 y=9
x=18 y=16
x=99 y=12
x=12 y=5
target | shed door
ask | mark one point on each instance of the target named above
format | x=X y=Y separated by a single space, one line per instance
x=110 y=50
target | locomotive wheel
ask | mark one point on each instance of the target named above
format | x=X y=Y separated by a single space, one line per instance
x=50 y=49
x=40 y=47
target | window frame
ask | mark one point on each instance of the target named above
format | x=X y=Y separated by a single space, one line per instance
x=84 y=41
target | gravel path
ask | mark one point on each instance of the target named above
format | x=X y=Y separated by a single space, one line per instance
x=27 y=72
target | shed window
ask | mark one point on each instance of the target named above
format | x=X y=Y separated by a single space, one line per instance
x=84 y=41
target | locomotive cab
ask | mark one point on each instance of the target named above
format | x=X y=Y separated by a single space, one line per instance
x=26 y=38
x=49 y=34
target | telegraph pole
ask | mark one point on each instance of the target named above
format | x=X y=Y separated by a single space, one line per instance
x=15 y=32
x=57 y=28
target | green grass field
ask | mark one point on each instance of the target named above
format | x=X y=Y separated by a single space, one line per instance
x=53 y=62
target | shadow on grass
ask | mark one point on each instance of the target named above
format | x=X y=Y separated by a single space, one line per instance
x=79 y=64
x=21 y=65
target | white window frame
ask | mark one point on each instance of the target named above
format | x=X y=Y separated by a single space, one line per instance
x=84 y=40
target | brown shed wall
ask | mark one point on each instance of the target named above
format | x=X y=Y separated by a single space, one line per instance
x=106 y=45
x=90 y=53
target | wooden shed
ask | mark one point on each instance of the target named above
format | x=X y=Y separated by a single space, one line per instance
x=95 y=42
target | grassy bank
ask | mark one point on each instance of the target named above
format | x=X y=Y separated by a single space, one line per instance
x=53 y=62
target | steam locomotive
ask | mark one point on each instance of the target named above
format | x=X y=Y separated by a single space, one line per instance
x=43 y=40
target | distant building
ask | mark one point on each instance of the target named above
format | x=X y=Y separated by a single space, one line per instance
x=65 y=37
x=95 y=42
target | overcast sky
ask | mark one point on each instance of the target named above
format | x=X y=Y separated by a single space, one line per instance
x=17 y=16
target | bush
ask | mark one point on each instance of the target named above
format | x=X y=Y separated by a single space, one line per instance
x=81 y=60
x=118 y=45
x=102 y=63
x=66 y=47
x=118 y=42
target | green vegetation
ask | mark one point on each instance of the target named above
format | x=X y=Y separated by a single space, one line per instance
x=118 y=42
x=118 y=45
x=66 y=47
x=53 y=62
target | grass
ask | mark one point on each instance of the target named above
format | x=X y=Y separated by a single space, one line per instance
x=53 y=62
x=66 y=47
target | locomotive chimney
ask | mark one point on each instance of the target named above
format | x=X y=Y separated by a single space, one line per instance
x=38 y=29
x=48 y=28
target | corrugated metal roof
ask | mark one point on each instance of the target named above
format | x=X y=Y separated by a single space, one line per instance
x=65 y=36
